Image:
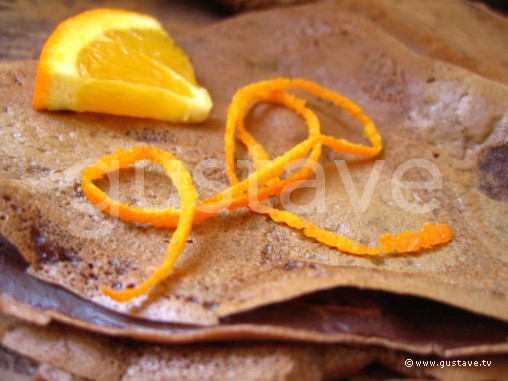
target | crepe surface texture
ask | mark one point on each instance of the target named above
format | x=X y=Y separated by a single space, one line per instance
x=428 y=103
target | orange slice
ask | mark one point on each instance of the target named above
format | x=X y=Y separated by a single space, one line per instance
x=118 y=62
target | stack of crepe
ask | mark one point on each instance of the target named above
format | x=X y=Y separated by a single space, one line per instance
x=250 y=299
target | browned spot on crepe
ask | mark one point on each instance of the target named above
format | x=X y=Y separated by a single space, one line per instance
x=494 y=173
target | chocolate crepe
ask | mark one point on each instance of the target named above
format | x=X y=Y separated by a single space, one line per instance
x=63 y=352
x=424 y=109
x=332 y=316
x=421 y=27
x=238 y=261
x=421 y=115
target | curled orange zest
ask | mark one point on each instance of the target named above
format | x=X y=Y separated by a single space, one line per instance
x=407 y=242
x=183 y=183
x=264 y=182
x=321 y=235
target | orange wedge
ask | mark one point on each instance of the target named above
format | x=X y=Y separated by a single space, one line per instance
x=118 y=62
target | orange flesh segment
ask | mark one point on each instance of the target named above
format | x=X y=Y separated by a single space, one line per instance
x=142 y=56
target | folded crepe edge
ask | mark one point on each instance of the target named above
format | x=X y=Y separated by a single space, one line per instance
x=69 y=354
x=178 y=334
x=372 y=279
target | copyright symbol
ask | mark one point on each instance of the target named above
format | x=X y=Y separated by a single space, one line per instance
x=408 y=363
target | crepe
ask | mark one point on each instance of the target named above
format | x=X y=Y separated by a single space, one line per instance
x=240 y=260
x=424 y=109
x=69 y=354
x=242 y=276
x=335 y=316
x=420 y=26
x=243 y=5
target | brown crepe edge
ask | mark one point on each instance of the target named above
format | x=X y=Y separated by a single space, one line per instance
x=373 y=280
x=99 y=358
x=241 y=332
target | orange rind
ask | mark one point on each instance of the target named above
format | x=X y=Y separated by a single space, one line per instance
x=264 y=182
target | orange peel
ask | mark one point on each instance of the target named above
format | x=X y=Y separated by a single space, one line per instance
x=188 y=195
x=264 y=182
x=407 y=242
